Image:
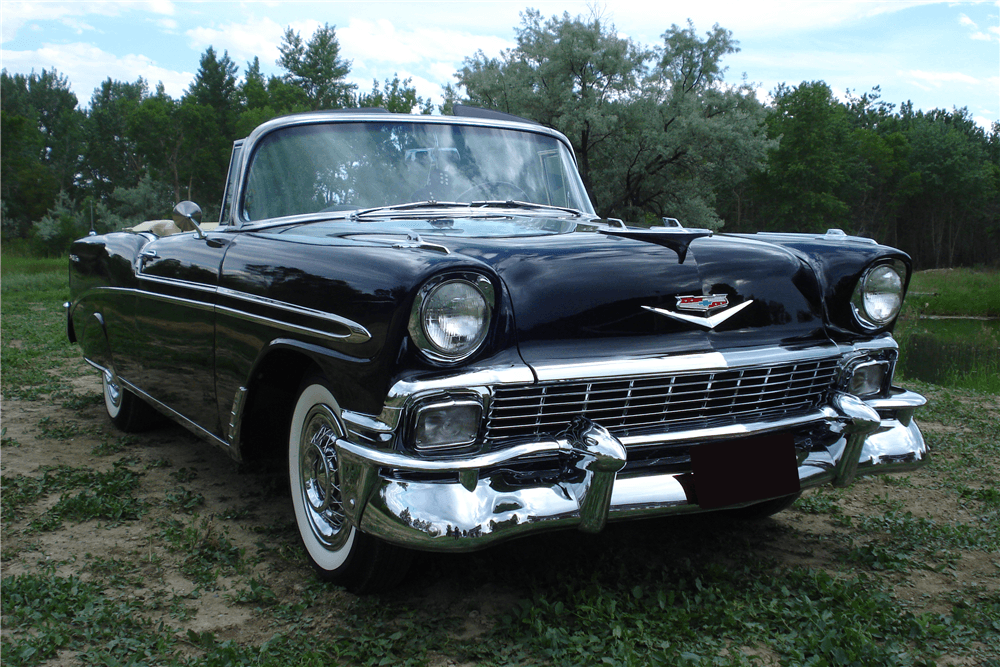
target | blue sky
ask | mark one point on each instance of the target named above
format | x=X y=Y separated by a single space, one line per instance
x=936 y=54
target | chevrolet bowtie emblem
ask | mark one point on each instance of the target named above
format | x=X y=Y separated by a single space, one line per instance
x=702 y=304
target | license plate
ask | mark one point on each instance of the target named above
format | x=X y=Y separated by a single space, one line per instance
x=745 y=470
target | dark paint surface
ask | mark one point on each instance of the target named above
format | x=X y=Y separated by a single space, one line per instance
x=572 y=297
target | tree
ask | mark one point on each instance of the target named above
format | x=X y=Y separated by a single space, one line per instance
x=656 y=131
x=42 y=140
x=112 y=158
x=804 y=188
x=207 y=117
x=317 y=68
x=945 y=220
x=395 y=96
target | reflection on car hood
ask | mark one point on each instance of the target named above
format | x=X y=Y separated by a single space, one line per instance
x=577 y=293
x=572 y=293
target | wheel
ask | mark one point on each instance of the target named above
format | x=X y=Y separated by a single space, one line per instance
x=764 y=509
x=338 y=551
x=127 y=411
x=493 y=189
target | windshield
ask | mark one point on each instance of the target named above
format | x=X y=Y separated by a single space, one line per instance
x=348 y=166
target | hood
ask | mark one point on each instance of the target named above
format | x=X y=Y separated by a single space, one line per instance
x=588 y=295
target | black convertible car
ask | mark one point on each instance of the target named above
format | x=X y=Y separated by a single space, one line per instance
x=423 y=317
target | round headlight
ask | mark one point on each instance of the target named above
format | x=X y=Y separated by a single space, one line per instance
x=451 y=318
x=879 y=295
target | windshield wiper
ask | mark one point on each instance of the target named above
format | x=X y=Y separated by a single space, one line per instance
x=513 y=203
x=490 y=203
x=409 y=206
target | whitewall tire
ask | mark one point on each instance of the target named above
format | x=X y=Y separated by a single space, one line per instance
x=338 y=551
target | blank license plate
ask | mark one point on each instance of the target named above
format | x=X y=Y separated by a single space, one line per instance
x=742 y=471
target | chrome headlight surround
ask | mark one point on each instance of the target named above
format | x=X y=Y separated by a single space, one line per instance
x=878 y=296
x=451 y=316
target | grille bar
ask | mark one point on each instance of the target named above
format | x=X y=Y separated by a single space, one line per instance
x=692 y=400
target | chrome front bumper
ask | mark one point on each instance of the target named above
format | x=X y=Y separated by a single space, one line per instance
x=472 y=509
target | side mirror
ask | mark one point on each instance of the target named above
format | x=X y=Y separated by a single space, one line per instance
x=187 y=217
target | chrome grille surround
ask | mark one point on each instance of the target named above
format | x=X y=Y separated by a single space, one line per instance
x=663 y=403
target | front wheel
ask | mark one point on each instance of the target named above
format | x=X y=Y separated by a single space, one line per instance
x=338 y=551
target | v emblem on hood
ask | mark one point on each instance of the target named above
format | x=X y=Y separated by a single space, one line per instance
x=708 y=322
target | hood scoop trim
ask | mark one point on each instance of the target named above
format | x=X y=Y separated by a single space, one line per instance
x=678 y=240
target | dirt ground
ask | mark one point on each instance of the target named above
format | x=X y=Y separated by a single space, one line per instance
x=251 y=509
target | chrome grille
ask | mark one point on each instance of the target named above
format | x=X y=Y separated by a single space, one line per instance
x=665 y=403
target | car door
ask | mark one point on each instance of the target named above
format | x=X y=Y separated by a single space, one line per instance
x=177 y=278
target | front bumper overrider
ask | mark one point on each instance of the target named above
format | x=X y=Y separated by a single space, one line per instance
x=462 y=503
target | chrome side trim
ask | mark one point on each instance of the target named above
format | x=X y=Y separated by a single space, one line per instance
x=236 y=417
x=358 y=334
x=292 y=328
x=166 y=298
x=173 y=282
x=172 y=414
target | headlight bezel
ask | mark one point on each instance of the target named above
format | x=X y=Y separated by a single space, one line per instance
x=443 y=406
x=861 y=306
x=477 y=284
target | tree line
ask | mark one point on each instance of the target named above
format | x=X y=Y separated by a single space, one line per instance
x=657 y=130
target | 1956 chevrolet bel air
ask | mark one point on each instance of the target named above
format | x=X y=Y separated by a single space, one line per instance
x=426 y=321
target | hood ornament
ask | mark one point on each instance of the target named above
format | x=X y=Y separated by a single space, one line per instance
x=702 y=304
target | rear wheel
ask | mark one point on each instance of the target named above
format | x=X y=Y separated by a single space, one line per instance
x=127 y=411
x=338 y=551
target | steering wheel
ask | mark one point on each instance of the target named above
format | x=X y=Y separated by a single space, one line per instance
x=493 y=190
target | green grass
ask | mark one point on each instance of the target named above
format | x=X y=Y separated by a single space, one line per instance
x=961 y=353
x=965 y=292
x=98 y=495
x=34 y=325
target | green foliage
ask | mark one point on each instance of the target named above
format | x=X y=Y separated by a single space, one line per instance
x=927 y=183
x=101 y=495
x=394 y=96
x=34 y=325
x=962 y=292
x=127 y=207
x=809 y=170
x=317 y=67
x=656 y=131
x=207 y=550
x=42 y=141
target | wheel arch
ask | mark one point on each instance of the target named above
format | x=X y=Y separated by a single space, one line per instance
x=272 y=387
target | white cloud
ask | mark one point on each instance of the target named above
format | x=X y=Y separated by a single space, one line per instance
x=17 y=14
x=930 y=80
x=988 y=35
x=747 y=19
x=382 y=41
x=87 y=66
x=243 y=41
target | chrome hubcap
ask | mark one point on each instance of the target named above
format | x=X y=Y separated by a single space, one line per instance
x=113 y=391
x=318 y=477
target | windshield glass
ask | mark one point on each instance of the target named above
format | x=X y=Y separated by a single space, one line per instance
x=347 y=166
